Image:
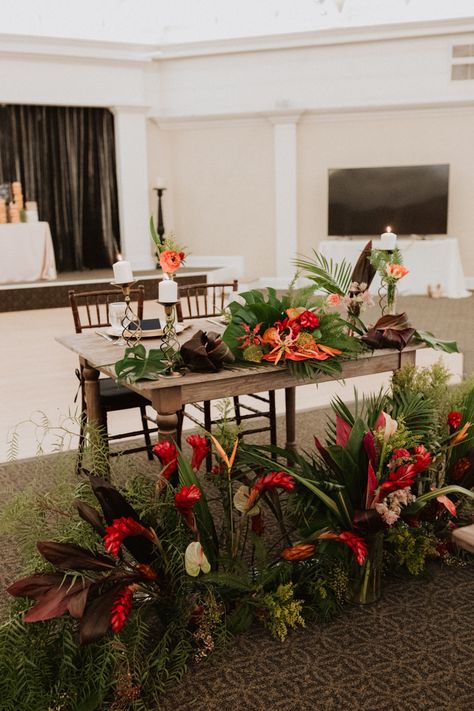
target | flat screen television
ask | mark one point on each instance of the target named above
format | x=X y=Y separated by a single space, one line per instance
x=411 y=199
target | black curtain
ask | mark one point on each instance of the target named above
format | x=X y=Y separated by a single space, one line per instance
x=65 y=160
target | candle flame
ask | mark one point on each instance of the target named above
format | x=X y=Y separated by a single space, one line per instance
x=119 y=257
x=388 y=228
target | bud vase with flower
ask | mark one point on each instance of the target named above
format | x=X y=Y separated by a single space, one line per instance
x=365 y=581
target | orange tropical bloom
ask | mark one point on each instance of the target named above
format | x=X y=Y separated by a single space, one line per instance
x=302 y=551
x=461 y=435
x=397 y=271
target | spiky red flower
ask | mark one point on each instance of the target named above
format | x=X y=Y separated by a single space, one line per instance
x=401 y=453
x=356 y=543
x=400 y=478
x=201 y=449
x=302 y=551
x=308 y=319
x=122 y=528
x=121 y=609
x=274 y=480
x=186 y=498
x=422 y=458
x=454 y=420
x=168 y=455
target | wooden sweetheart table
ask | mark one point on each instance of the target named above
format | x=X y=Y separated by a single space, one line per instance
x=168 y=395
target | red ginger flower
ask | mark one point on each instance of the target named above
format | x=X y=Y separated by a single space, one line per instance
x=185 y=499
x=274 y=480
x=399 y=479
x=401 y=453
x=356 y=543
x=308 y=319
x=454 y=420
x=121 y=608
x=201 y=449
x=168 y=455
x=422 y=458
x=122 y=528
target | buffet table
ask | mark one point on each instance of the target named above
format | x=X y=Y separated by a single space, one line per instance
x=27 y=253
x=430 y=262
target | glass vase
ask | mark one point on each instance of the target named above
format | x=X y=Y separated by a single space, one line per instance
x=391 y=300
x=365 y=581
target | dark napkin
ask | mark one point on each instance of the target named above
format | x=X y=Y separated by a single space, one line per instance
x=206 y=352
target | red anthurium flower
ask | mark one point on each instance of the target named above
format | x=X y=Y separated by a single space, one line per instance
x=448 y=504
x=122 y=528
x=274 y=480
x=168 y=455
x=422 y=458
x=308 y=319
x=201 y=449
x=454 y=420
x=185 y=499
x=121 y=608
x=356 y=543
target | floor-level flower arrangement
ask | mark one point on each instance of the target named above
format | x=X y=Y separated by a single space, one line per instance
x=153 y=576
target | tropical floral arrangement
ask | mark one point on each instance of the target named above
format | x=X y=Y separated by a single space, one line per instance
x=298 y=330
x=390 y=267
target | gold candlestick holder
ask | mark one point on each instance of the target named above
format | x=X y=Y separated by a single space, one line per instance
x=131 y=326
x=170 y=346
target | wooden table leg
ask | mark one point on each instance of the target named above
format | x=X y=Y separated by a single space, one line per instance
x=290 y=408
x=96 y=421
x=167 y=402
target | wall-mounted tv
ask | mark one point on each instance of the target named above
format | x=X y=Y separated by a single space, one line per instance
x=411 y=199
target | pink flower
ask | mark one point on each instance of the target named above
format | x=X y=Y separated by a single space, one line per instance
x=122 y=528
x=168 y=455
x=201 y=449
x=121 y=609
x=333 y=300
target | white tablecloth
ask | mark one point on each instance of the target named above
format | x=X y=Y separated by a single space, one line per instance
x=26 y=253
x=430 y=262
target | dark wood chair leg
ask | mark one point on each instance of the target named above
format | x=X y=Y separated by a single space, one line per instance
x=238 y=419
x=146 y=432
x=273 y=421
x=179 y=428
x=207 y=427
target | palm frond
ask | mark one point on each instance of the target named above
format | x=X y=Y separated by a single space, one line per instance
x=331 y=277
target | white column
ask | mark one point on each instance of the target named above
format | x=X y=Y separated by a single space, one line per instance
x=133 y=189
x=286 y=208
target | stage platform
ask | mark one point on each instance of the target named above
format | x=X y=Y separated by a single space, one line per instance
x=54 y=294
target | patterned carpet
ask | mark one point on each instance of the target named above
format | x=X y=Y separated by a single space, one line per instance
x=413 y=650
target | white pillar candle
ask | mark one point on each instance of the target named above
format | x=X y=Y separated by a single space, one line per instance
x=159 y=183
x=388 y=240
x=123 y=272
x=167 y=291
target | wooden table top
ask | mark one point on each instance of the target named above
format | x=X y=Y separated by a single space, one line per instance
x=231 y=380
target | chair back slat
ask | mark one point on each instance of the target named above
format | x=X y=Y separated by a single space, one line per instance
x=90 y=309
x=203 y=300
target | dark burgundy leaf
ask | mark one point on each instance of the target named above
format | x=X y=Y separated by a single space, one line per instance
x=55 y=602
x=96 y=619
x=34 y=586
x=91 y=516
x=364 y=271
x=77 y=602
x=68 y=556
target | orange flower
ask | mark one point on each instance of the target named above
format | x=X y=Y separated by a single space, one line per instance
x=170 y=260
x=270 y=336
x=461 y=435
x=397 y=271
x=295 y=312
x=300 y=552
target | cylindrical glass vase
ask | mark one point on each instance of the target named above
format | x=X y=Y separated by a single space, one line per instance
x=365 y=581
